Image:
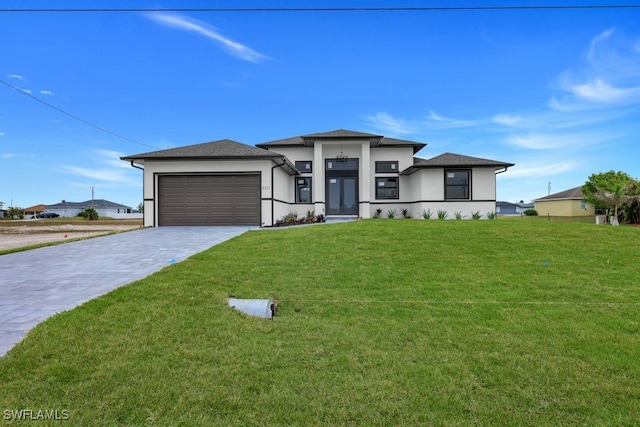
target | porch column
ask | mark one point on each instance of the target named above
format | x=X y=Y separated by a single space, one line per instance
x=365 y=180
x=318 y=178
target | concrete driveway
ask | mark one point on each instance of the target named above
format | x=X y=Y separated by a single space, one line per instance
x=36 y=284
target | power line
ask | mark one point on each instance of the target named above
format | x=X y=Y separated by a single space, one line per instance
x=86 y=122
x=330 y=9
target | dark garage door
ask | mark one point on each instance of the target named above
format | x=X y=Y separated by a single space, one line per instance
x=209 y=200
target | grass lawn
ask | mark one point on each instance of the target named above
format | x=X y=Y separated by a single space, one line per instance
x=381 y=322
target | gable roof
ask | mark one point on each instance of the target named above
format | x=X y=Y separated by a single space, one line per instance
x=343 y=135
x=570 y=194
x=451 y=160
x=224 y=149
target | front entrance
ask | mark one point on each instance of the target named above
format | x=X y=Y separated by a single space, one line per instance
x=341 y=186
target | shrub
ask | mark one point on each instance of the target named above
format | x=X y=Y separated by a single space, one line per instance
x=405 y=213
x=291 y=217
x=531 y=212
x=90 y=213
x=310 y=216
x=391 y=214
x=459 y=215
x=476 y=215
x=427 y=214
x=378 y=213
x=492 y=215
x=442 y=214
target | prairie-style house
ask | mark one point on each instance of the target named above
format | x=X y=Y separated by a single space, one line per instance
x=341 y=173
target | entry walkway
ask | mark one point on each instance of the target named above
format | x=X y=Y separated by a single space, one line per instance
x=36 y=284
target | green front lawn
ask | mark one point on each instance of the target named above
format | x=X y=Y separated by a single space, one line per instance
x=381 y=322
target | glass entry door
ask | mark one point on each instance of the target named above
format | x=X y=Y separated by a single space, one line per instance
x=342 y=187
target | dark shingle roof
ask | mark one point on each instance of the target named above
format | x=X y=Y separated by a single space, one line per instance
x=451 y=160
x=341 y=133
x=223 y=149
x=572 y=193
x=96 y=203
x=376 y=140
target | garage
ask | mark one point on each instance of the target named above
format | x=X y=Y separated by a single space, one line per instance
x=209 y=199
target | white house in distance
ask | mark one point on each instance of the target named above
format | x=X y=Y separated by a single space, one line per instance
x=340 y=173
x=104 y=208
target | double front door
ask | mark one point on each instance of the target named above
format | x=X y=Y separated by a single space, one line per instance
x=341 y=186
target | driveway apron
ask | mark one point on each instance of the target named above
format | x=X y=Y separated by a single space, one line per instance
x=39 y=283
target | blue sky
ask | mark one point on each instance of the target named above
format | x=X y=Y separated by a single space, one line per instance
x=556 y=91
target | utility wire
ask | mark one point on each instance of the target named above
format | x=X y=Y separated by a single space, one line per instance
x=334 y=9
x=86 y=122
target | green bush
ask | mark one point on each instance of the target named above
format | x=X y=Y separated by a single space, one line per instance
x=442 y=214
x=531 y=212
x=90 y=213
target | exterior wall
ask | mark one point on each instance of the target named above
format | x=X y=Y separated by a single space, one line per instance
x=367 y=157
x=423 y=191
x=102 y=212
x=154 y=168
x=483 y=184
x=408 y=188
x=563 y=208
x=284 y=195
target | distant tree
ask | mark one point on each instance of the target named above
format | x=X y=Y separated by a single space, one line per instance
x=141 y=207
x=1 y=205
x=15 y=211
x=606 y=190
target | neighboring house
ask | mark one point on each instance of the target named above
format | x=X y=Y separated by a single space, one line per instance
x=104 y=208
x=507 y=208
x=33 y=210
x=340 y=173
x=565 y=203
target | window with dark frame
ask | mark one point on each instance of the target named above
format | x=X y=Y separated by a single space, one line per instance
x=387 y=188
x=456 y=184
x=303 y=189
x=387 y=167
x=305 y=166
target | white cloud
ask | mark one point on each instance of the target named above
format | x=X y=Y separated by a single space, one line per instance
x=17 y=77
x=609 y=77
x=2 y=133
x=601 y=91
x=386 y=123
x=8 y=155
x=47 y=92
x=26 y=91
x=537 y=171
x=108 y=175
x=109 y=169
x=193 y=25
x=435 y=121
x=593 y=49
x=537 y=141
x=505 y=119
x=112 y=158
